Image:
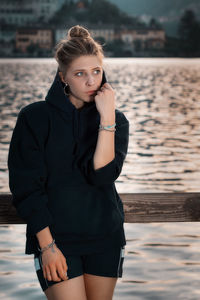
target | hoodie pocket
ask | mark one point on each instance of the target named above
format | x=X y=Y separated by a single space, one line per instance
x=84 y=211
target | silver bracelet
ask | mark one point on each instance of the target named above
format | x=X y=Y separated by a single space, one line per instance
x=47 y=247
x=107 y=129
x=101 y=127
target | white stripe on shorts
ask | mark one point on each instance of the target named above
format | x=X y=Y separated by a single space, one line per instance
x=120 y=257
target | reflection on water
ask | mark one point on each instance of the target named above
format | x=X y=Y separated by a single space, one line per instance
x=161 y=99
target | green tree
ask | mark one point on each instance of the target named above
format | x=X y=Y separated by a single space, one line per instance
x=189 y=33
x=105 y=12
x=64 y=14
x=172 y=46
x=153 y=23
x=101 y=40
x=32 y=49
x=96 y=12
x=116 y=47
x=137 y=45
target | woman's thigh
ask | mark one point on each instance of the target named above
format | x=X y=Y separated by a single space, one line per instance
x=73 y=288
x=101 y=271
x=99 y=287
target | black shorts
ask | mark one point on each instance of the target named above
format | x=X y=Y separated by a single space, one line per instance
x=109 y=263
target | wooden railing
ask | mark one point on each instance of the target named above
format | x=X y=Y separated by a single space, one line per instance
x=138 y=208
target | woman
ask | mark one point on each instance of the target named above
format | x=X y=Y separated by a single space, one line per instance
x=65 y=154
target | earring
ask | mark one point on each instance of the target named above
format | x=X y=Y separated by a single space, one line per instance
x=66 y=89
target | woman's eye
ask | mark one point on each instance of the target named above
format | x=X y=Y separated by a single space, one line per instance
x=78 y=73
x=97 y=71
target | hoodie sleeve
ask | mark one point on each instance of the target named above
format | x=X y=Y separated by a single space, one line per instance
x=111 y=171
x=27 y=175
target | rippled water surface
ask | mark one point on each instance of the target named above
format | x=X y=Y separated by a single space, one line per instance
x=161 y=99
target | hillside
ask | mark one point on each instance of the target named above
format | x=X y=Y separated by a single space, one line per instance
x=166 y=12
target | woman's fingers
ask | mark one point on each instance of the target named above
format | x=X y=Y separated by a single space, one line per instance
x=54 y=274
x=48 y=273
x=61 y=272
x=55 y=269
x=106 y=85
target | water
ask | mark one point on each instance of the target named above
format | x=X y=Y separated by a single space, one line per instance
x=161 y=99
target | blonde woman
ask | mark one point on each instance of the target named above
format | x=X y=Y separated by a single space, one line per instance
x=65 y=154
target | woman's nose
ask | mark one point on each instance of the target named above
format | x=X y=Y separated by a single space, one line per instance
x=90 y=80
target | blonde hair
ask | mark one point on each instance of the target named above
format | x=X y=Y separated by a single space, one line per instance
x=78 y=42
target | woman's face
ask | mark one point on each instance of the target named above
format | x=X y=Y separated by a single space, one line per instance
x=84 y=75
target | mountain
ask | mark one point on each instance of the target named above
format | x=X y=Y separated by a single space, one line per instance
x=167 y=12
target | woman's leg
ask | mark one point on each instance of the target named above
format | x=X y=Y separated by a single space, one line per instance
x=101 y=271
x=99 y=287
x=73 y=288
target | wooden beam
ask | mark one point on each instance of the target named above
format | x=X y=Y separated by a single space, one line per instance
x=161 y=207
x=138 y=208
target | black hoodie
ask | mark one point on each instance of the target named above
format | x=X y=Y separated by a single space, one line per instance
x=52 y=178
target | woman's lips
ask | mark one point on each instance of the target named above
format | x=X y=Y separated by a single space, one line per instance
x=91 y=92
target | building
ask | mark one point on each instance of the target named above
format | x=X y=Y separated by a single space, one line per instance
x=106 y=32
x=143 y=38
x=43 y=38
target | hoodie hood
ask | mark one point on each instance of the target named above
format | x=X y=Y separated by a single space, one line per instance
x=57 y=97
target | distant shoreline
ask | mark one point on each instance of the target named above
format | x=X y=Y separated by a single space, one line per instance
x=108 y=59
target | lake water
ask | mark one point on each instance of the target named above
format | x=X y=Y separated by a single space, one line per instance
x=161 y=99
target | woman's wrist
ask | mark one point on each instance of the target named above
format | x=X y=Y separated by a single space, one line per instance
x=107 y=121
x=50 y=245
x=44 y=237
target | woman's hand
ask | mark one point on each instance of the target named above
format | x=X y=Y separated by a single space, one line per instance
x=54 y=264
x=105 y=102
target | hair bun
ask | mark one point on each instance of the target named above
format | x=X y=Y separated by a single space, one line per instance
x=78 y=31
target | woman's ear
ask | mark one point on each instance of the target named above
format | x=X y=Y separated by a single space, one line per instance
x=61 y=76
